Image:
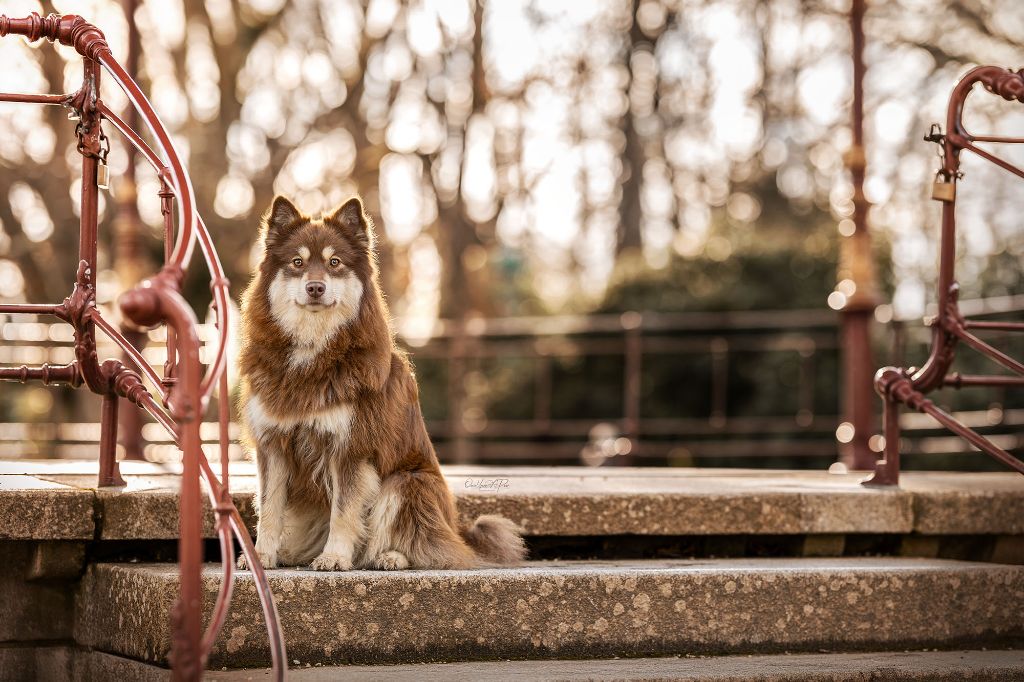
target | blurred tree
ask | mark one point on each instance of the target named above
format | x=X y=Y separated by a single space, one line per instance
x=562 y=135
x=524 y=157
x=785 y=260
x=638 y=62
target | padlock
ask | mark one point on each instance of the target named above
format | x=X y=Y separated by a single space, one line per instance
x=103 y=176
x=943 y=189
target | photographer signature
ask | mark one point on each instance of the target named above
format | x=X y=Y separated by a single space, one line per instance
x=487 y=484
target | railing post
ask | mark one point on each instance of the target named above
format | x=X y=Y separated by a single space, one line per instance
x=458 y=436
x=110 y=474
x=806 y=384
x=81 y=304
x=719 y=351
x=170 y=345
x=186 y=653
x=127 y=249
x=632 y=328
x=855 y=291
x=542 y=389
x=158 y=300
x=887 y=471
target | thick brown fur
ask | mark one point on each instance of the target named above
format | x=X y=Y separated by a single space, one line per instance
x=348 y=476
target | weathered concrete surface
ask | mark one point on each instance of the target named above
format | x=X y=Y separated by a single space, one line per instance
x=34 y=508
x=28 y=663
x=63 y=664
x=152 y=512
x=31 y=611
x=573 y=610
x=54 y=499
x=966 y=503
x=70 y=664
x=1003 y=666
x=56 y=560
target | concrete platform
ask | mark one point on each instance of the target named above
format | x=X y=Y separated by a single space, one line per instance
x=57 y=500
x=60 y=664
x=550 y=610
x=930 y=666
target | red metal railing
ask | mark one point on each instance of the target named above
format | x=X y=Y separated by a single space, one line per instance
x=183 y=389
x=899 y=386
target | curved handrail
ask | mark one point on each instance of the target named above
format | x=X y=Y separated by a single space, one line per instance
x=157 y=300
x=908 y=386
x=219 y=283
x=1009 y=85
x=192 y=226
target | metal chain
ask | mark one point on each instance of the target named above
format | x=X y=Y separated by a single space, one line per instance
x=81 y=131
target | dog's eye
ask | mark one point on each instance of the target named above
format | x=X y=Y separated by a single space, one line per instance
x=335 y=262
x=297 y=262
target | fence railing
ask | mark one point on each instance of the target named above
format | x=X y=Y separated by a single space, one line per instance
x=687 y=388
x=684 y=365
x=908 y=387
x=699 y=388
x=183 y=390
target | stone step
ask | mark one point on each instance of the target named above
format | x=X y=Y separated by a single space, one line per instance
x=64 y=663
x=58 y=501
x=551 y=610
x=926 y=666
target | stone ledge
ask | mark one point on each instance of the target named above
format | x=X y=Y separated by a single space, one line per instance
x=65 y=663
x=572 y=610
x=54 y=500
x=926 y=666
x=33 y=508
x=968 y=503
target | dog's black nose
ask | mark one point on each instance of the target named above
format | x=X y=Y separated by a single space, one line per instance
x=315 y=289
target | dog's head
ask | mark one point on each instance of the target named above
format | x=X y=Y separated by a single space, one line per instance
x=316 y=269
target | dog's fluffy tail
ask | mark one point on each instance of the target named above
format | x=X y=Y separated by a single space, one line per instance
x=495 y=540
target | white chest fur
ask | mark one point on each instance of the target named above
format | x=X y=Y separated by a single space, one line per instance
x=334 y=421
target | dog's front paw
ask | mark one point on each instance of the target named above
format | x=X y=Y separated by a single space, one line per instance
x=267 y=560
x=331 y=562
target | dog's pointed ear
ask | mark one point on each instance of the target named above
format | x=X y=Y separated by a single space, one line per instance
x=351 y=218
x=281 y=215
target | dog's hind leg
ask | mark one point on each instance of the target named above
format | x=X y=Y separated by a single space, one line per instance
x=379 y=551
x=352 y=486
x=413 y=524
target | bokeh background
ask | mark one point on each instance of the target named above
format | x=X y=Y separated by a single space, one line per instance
x=608 y=231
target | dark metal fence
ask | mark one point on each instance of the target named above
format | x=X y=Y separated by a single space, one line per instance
x=752 y=388
x=636 y=388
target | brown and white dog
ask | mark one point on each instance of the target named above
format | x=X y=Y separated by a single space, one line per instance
x=347 y=474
